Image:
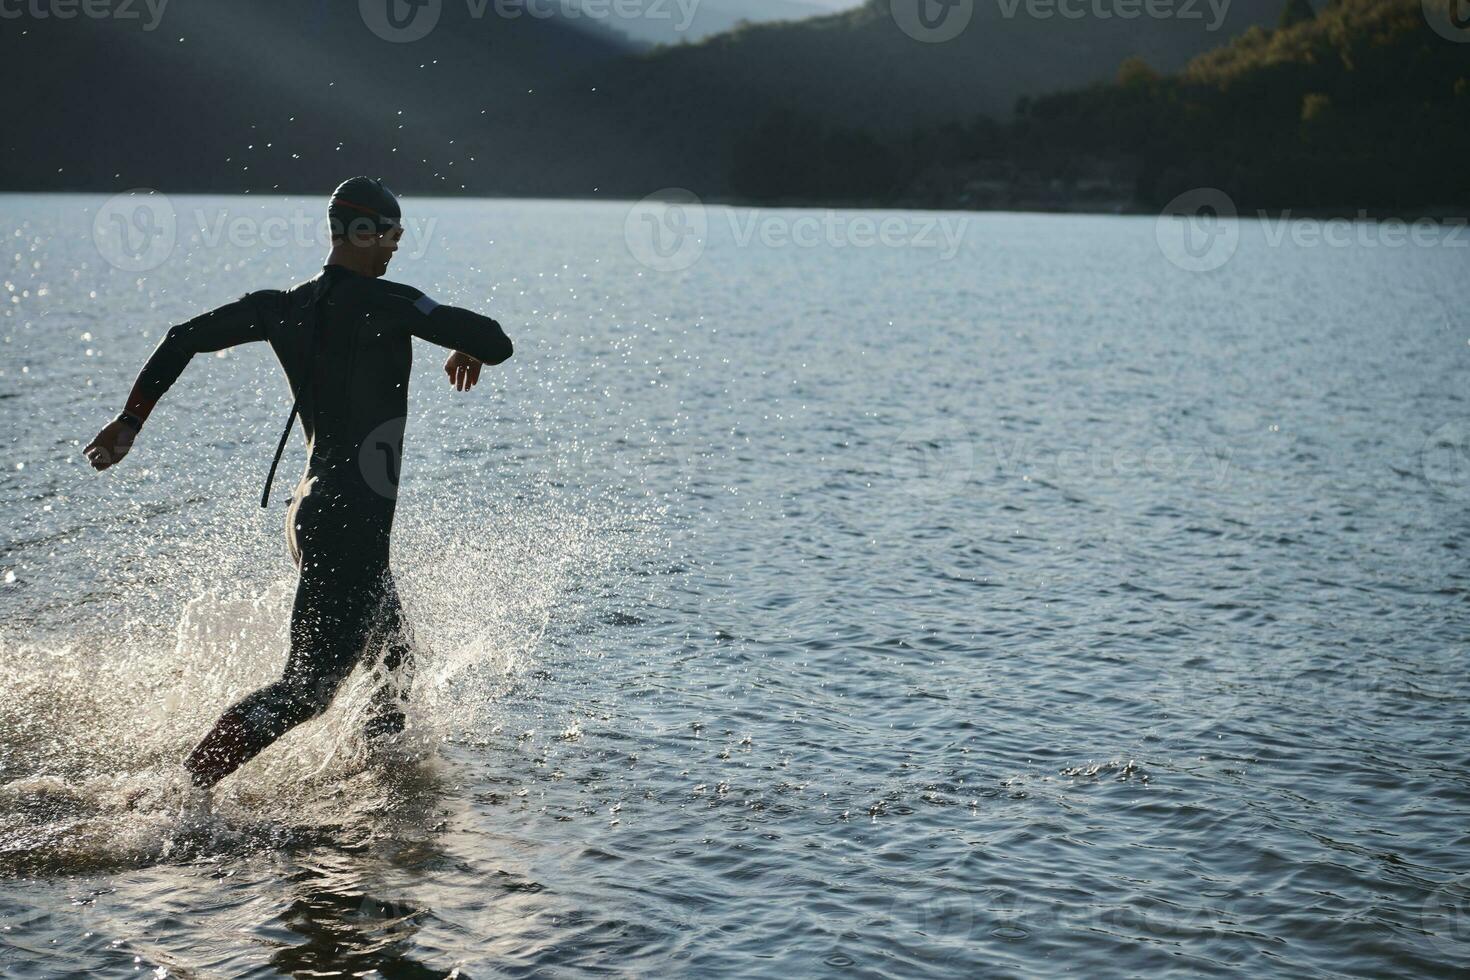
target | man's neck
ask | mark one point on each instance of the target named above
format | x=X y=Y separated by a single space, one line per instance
x=350 y=259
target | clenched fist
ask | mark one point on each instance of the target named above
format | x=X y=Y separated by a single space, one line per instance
x=111 y=444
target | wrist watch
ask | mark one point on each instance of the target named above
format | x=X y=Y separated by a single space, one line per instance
x=131 y=421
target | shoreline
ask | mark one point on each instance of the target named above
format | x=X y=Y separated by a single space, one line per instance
x=1437 y=213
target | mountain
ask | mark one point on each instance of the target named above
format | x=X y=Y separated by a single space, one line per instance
x=679 y=116
x=275 y=94
x=1360 y=101
x=278 y=95
x=860 y=67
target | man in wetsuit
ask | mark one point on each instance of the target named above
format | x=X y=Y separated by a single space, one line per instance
x=344 y=339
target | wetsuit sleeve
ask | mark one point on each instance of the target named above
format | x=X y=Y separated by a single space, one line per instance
x=452 y=327
x=228 y=326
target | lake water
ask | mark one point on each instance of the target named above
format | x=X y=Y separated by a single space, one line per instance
x=838 y=594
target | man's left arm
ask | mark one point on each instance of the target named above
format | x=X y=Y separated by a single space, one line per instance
x=474 y=338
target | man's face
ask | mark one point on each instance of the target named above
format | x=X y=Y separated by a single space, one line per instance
x=377 y=248
x=383 y=249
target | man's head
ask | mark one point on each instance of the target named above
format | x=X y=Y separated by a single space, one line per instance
x=365 y=220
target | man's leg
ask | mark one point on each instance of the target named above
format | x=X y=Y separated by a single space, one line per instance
x=393 y=670
x=329 y=628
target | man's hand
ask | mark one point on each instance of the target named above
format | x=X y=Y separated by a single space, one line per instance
x=463 y=370
x=111 y=444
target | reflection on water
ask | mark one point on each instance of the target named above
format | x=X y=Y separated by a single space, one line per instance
x=1042 y=609
x=348 y=919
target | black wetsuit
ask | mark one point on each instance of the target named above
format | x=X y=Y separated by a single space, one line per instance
x=345 y=342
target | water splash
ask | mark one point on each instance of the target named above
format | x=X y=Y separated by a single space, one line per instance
x=95 y=724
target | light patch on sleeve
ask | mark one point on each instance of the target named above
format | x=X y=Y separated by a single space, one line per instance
x=425 y=305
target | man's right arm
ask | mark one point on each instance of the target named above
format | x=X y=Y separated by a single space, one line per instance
x=232 y=324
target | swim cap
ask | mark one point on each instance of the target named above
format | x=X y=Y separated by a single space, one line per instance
x=363 y=203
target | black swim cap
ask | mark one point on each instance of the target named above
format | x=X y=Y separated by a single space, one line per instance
x=363 y=203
